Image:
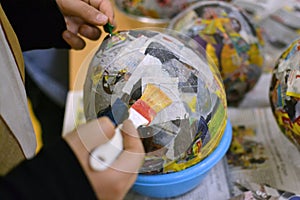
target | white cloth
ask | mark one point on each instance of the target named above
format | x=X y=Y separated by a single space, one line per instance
x=13 y=102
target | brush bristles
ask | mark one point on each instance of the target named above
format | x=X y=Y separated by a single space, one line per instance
x=155 y=98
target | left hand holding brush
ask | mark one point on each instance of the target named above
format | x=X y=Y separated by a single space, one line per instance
x=114 y=182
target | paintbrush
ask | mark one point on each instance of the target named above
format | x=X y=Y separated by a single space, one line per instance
x=142 y=112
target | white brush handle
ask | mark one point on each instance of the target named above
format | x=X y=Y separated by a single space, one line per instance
x=104 y=155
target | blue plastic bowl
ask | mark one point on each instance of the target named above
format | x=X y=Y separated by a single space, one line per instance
x=178 y=183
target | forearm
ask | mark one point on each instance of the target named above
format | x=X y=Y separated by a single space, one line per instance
x=54 y=173
x=38 y=24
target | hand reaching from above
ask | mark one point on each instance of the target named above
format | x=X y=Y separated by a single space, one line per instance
x=83 y=18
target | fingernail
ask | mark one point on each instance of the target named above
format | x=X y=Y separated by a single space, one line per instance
x=101 y=18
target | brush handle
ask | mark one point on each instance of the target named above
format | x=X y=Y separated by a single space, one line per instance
x=104 y=155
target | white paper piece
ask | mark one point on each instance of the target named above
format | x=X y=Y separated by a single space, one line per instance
x=149 y=66
x=279 y=168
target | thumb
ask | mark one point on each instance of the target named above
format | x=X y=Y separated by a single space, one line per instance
x=96 y=132
x=133 y=151
x=83 y=10
x=132 y=141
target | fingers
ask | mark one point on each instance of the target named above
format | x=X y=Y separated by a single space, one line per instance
x=90 y=32
x=73 y=40
x=96 y=132
x=133 y=150
x=114 y=182
x=83 y=17
x=88 y=13
x=123 y=172
x=132 y=141
x=92 y=15
x=105 y=7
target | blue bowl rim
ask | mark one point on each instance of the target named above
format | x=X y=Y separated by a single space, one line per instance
x=194 y=171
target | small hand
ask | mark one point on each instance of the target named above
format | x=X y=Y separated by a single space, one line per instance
x=83 y=18
x=115 y=181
